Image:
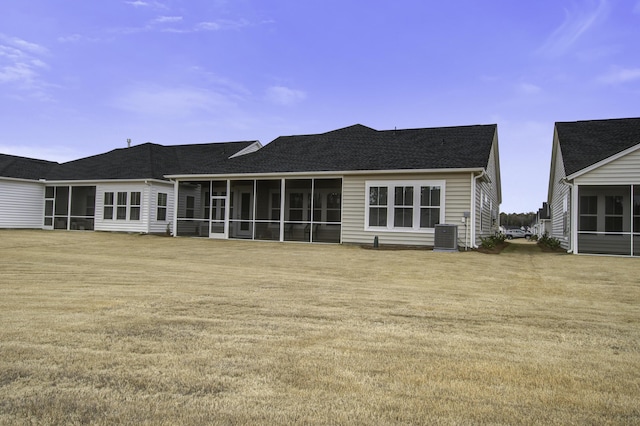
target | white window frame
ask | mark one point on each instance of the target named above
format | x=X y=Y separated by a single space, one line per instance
x=133 y=207
x=164 y=197
x=391 y=185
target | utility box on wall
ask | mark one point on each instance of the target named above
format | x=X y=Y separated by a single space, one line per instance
x=446 y=238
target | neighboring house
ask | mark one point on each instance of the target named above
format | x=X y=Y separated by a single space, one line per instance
x=594 y=186
x=543 y=221
x=121 y=190
x=349 y=186
x=21 y=192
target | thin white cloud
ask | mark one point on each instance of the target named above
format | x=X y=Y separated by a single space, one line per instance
x=169 y=24
x=140 y=3
x=171 y=102
x=281 y=95
x=23 y=45
x=620 y=76
x=21 y=65
x=528 y=89
x=167 y=19
x=576 y=23
x=222 y=24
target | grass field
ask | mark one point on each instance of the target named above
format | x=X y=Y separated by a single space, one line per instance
x=99 y=328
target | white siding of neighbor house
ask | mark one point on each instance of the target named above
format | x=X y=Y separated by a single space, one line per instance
x=21 y=204
x=559 y=193
x=622 y=171
x=457 y=200
x=148 y=207
x=490 y=206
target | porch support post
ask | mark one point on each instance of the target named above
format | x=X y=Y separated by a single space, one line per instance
x=282 y=195
x=227 y=210
x=70 y=195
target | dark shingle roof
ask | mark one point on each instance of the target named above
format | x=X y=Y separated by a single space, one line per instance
x=24 y=168
x=354 y=148
x=359 y=147
x=584 y=143
x=147 y=161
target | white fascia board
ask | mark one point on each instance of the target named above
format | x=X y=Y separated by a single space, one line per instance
x=327 y=173
x=22 y=180
x=603 y=162
x=106 y=181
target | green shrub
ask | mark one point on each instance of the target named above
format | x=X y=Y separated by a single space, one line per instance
x=487 y=242
x=550 y=242
x=492 y=241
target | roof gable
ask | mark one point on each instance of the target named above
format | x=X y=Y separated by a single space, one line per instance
x=585 y=143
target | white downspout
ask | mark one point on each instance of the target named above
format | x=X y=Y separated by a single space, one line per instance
x=174 y=231
x=474 y=183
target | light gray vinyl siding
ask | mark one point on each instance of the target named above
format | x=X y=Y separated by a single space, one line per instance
x=21 y=204
x=457 y=200
x=622 y=171
x=559 y=193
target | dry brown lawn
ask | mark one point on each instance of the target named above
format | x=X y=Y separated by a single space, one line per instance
x=99 y=328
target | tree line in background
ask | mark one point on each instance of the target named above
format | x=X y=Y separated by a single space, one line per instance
x=511 y=220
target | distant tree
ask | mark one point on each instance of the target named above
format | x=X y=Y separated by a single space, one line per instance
x=517 y=219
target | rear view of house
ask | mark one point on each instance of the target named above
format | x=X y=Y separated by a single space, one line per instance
x=349 y=185
x=594 y=186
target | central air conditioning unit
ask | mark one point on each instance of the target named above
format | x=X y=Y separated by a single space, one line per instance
x=446 y=238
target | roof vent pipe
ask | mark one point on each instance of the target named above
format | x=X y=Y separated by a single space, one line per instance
x=128 y=143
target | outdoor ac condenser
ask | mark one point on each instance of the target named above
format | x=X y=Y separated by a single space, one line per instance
x=446 y=238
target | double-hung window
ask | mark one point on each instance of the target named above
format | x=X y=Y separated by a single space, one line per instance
x=121 y=207
x=108 y=205
x=134 y=208
x=429 y=206
x=116 y=205
x=162 y=207
x=377 y=206
x=404 y=205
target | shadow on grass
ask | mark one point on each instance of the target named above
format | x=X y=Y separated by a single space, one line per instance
x=520 y=247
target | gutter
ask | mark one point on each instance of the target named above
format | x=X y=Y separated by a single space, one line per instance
x=336 y=173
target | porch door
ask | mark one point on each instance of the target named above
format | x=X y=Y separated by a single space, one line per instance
x=219 y=227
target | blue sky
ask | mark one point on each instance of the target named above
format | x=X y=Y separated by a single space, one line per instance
x=79 y=77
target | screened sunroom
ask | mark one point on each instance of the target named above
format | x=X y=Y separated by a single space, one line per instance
x=609 y=220
x=69 y=207
x=300 y=209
